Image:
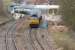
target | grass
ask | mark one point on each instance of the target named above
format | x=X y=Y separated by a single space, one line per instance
x=64 y=40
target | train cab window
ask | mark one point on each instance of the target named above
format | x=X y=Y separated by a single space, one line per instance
x=50 y=11
x=53 y=11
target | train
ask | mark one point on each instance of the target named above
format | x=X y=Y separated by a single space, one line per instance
x=20 y=10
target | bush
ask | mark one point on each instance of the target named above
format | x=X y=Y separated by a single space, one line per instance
x=67 y=9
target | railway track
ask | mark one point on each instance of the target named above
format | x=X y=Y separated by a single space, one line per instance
x=9 y=37
x=34 y=40
x=47 y=40
x=39 y=40
x=34 y=33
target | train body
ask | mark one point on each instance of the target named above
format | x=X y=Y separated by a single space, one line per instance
x=31 y=9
